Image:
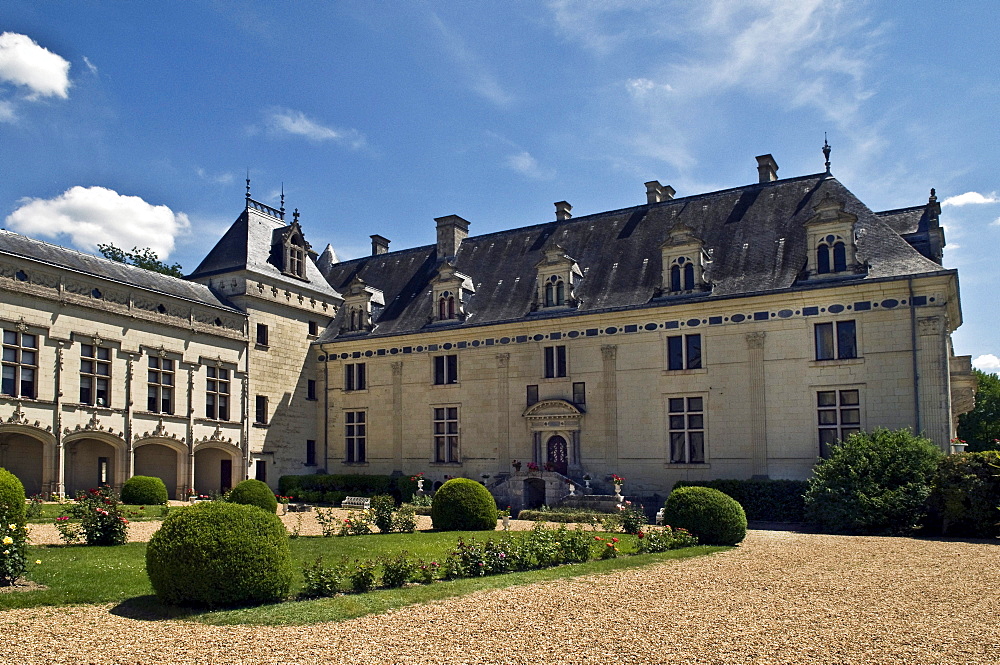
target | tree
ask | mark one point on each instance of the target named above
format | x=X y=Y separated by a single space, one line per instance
x=980 y=428
x=141 y=258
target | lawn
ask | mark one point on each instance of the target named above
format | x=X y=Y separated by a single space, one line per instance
x=85 y=575
x=50 y=511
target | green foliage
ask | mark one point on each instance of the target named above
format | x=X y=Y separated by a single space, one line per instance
x=319 y=581
x=144 y=258
x=664 y=539
x=763 y=500
x=144 y=491
x=383 y=506
x=566 y=515
x=715 y=518
x=357 y=523
x=464 y=505
x=405 y=520
x=254 y=493
x=332 y=488
x=102 y=516
x=980 y=428
x=35 y=507
x=398 y=570
x=13 y=528
x=364 y=575
x=965 y=496
x=632 y=519
x=218 y=554
x=873 y=483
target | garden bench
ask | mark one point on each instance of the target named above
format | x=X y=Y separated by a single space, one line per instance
x=356 y=502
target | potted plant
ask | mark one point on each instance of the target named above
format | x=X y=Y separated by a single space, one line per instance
x=504 y=515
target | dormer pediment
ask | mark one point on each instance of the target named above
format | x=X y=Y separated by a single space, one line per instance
x=292 y=251
x=450 y=291
x=558 y=274
x=362 y=304
x=831 y=241
x=552 y=408
x=684 y=262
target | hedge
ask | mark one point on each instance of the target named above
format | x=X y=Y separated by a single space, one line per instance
x=333 y=488
x=762 y=500
x=965 y=496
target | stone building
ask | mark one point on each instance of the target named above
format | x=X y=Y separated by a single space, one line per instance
x=735 y=334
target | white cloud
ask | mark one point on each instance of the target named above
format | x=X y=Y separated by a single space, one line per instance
x=217 y=178
x=91 y=66
x=526 y=165
x=23 y=62
x=987 y=363
x=641 y=87
x=296 y=123
x=970 y=198
x=7 y=112
x=92 y=215
x=995 y=222
x=475 y=72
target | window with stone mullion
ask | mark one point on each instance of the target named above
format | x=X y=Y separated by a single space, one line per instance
x=19 y=364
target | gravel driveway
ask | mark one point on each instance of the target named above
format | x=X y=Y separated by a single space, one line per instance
x=779 y=598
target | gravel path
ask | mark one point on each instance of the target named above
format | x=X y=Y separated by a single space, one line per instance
x=779 y=598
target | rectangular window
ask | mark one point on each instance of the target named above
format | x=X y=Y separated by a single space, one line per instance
x=354 y=377
x=160 y=385
x=580 y=393
x=262 y=334
x=838 y=416
x=95 y=375
x=217 y=393
x=19 y=364
x=103 y=473
x=446 y=434
x=260 y=470
x=532 y=395
x=686 y=416
x=313 y=329
x=684 y=352
x=445 y=370
x=836 y=343
x=355 y=436
x=555 y=362
x=260 y=413
x=310 y=452
x=311 y=389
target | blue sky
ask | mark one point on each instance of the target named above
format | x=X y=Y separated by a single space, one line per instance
x=135 y=123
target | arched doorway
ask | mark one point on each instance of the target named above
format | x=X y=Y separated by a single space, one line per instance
x=557 y=454
x=24 y=456
x=534 y=493
x=160 y=461
x=216 y=469
x=92 y=462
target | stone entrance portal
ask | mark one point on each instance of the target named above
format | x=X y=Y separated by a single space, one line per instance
x=557 y=454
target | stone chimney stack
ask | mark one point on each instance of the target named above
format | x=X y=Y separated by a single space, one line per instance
x=655 y=192
x=767 y=168
x=380 y=245
x=451 y=231
x=563 y=211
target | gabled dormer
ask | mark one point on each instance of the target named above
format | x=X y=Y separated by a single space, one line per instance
x=830 y=241
x=557 y=278
x=362 y=305
x=684 y=261
x=451 y=291
x=294 y=251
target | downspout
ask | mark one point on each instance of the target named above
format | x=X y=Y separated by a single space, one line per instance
x=326 y=408
x=913 y=346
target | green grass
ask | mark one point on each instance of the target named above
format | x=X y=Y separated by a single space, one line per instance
x=50 y=511
x=86 y=575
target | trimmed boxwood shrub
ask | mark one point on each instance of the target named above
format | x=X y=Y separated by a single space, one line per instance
x=144 y=491
x=463 y=505
x=218 y=554
x=965 y=496
x=13 y=554
x=762 y=500
x=314 y=488
x=254 y=493
x=873 y=483
x=717 y=519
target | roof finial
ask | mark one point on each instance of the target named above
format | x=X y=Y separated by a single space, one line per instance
x=248 y=183
x=826 y=152
x=282 y=200
x=933 y=196
x=295 y=216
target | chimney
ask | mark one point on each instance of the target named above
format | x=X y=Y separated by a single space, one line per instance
x=380 y=245
x=563 y=211
x=655 y=192
x=451 y=231
x=767 y=168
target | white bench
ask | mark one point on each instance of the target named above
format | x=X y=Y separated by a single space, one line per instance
x=356 y=502
x=659 y=516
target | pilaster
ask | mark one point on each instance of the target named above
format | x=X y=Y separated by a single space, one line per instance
x=757 y=400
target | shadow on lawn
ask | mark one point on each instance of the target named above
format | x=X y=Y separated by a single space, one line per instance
x=149 y=608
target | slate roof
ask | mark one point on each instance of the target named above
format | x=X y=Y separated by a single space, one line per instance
x=21 y=246
x=249 y=245
x=755 y=234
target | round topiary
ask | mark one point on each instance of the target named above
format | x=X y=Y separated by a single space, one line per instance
x=254 y=493
x=463 y=505
x=13 y=535
x=218 y=554
x=144 y=491
x=716 y=518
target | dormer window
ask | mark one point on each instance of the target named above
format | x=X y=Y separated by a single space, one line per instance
x=558 y=276
x=296 y=260
x=294 y=249
x=362 y=304
x=684 y=262
x=451 y=290
x=830 y=234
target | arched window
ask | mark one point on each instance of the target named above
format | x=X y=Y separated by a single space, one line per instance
x=675 y=277
x=555 y=291
x=682 y=274
x=831 y=245
x=446 y=306
x=295 y=256
x=839 y=257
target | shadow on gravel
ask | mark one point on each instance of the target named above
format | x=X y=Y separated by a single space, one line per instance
x=149 y=608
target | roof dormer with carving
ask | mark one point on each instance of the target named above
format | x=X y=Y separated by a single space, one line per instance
x=684 y=262
x=831 y=243
x=451 y=291
x=362 y=305
x=556 y=280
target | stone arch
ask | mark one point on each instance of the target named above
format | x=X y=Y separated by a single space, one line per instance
x=166 y=459
x=94 y=458
x=29 y=453
x=218 y=466
x=552 y=418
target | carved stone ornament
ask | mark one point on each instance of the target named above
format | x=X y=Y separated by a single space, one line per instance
x=609 y=351
x=216 y=437
x=19 y=418
x=503 y=360
x=930 y=325
x=162 y=352
x=97 y=339
x=397 y=367
x=22 y=326
x=755 y=340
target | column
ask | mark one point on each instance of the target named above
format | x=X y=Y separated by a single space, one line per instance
x=609 y=356
x=397 y=415
x=758 y=404
x=934 y=375
x=503 y=411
